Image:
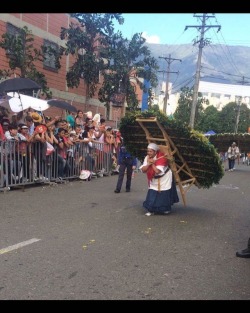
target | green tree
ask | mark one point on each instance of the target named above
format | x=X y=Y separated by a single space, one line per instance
x=22 y=55
x=209 y=120
x=228 y=118
x=183 y=111
x=130 y=62
x=85 y=42
x=244 y=118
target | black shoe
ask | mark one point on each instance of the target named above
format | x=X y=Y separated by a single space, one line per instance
x=117 y=191
x=243 y=253
x=127 y=190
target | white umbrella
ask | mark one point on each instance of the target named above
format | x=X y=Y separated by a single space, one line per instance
x=20 y=102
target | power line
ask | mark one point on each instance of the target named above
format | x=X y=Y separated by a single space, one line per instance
x=184 y=83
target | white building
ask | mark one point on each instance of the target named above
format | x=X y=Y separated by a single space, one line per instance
x=221 y=94
x=172 y=100
x=218 y=95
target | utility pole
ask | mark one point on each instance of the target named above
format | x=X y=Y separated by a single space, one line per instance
x=169 y=61
x=243 y=82
x=202 y=43
x=238 y=114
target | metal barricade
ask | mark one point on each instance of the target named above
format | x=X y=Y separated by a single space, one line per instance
x=31 y=165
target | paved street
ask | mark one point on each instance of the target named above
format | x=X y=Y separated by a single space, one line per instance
x=82 y=241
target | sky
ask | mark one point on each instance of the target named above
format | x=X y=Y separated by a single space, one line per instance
x=169 y=28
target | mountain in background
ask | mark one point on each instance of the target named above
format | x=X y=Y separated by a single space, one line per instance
x=220 y=63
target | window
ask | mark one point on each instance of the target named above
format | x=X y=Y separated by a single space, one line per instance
x=13 y=30
x=215 y=95
x=49 y=62
x=204 y=94
x=16 y=33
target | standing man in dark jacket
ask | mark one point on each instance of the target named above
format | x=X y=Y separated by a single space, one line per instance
x=126 y=162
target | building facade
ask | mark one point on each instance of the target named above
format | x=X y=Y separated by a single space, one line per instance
x=46 y=28
x=218 y=95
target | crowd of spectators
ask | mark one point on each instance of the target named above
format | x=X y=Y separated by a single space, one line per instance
x=73 y=137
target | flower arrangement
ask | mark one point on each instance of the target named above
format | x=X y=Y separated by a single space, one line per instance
x=194 y=148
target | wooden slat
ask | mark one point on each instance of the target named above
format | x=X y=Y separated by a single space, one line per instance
x=171 y=150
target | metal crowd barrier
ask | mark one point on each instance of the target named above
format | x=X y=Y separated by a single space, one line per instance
x=20 y=166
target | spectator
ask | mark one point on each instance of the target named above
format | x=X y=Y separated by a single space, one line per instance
x=233 y=153
x=126 y=162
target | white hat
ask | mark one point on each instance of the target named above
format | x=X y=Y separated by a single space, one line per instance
x=84 y=174
x=153 y=146
x=89 y=114
x=97 y=118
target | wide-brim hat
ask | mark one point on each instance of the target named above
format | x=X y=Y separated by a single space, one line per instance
x=40 y=129
x=84 y=174
x=36 y=117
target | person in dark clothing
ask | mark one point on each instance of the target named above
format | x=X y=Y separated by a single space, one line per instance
x=244 y=253
x=126 y=162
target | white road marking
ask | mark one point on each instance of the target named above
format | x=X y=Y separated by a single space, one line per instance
x=18 y=245
x=226 y=186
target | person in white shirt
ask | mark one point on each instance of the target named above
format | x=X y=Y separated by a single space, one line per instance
x=162 y=193
x=232 y=153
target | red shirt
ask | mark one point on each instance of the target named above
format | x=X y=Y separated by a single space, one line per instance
x=2 y=136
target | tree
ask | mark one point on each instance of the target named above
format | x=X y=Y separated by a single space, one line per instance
x=209 y=120
x=130 y=62
x=22 y=55
x=244 y=118
x=228 y=118
x=85 y=40
x=183 y=111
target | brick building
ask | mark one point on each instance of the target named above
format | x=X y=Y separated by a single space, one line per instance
x=46 y=28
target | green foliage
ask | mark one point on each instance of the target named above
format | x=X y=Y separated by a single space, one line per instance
x=90 y=38
x=22 y=55
x=228 y=118
x=196 y=150
x=130 y=63
x=183 y=110
x=210 y=119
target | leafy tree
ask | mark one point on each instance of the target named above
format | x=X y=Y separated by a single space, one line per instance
x=130 y=63
x=85 y=41
x=22 y=55
x=183 y=111
x=209 y=120
x=228 y=118
x=244 y=118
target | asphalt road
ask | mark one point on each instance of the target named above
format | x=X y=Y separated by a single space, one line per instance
x=81 y=241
